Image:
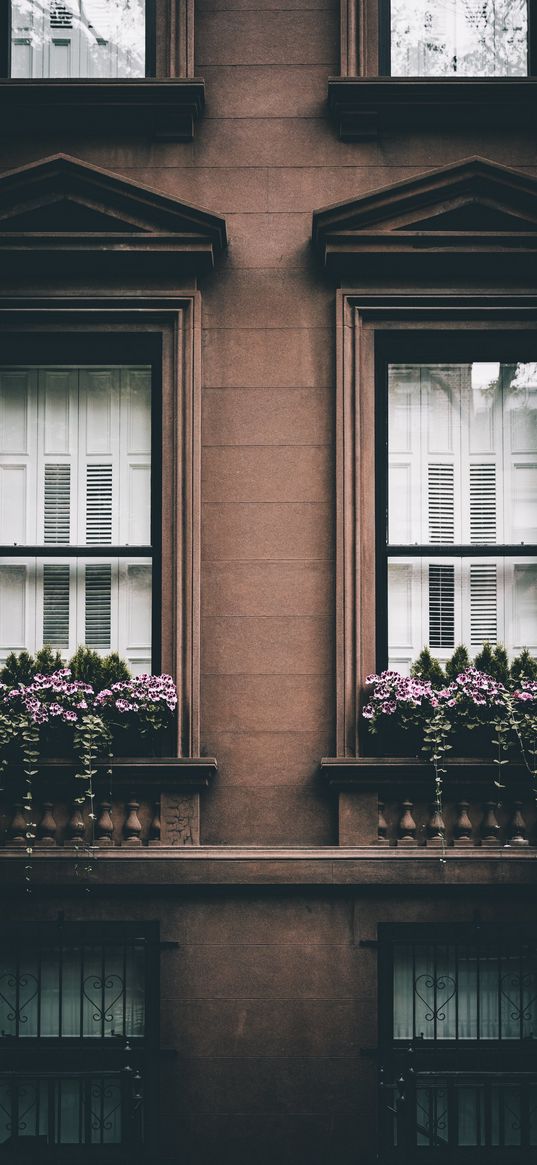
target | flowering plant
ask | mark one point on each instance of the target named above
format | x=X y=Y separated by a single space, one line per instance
x=146 y=702
x=59 y=707
x=432 y=714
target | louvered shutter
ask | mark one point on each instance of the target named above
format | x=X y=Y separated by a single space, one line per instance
x=520 y=509
x=18 y=518
x=404 y=513
x=440 y=469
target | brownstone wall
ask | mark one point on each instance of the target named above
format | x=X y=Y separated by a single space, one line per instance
x=269 y=1014
x=266 y=154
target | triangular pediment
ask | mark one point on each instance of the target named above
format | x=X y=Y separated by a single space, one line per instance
x=62 y=197
x=473 y=198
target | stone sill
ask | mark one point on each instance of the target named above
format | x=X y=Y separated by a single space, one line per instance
x=368 y=772
x=363 y=107
x=163 y=109
x=182 y=774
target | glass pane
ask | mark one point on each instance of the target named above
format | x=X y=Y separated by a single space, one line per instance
x=462 y=442
x=105 y=603
x=78 y=38
x=464 y=992
x=442 y=602
x=468 y=38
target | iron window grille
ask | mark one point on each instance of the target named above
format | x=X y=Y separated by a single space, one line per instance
x=458 y=1050
x=78 y=1040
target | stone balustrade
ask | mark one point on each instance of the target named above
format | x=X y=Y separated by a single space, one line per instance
x=390 y=802
x=138 y=803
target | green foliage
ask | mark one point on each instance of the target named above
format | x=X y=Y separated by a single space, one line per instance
x=458 y=663
x=524 y=667
x=114 y=669
x=86 y=665
x=47 y=661
x=500 y=664
x=18 y=669
x=426 y=667
x=101 y=672
x=484 y=660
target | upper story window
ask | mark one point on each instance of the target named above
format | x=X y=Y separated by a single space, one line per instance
x=75 y=504
x=79 y=38
x=458 y=38
x=460 y=556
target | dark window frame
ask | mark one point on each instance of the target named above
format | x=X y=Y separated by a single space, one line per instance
x=401 y=1061
x=384 y=46
x=428 y=347
x=103 y=349
x=55 y=1057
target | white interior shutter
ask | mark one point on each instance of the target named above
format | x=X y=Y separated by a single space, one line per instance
x=441 y=503
x=99 y=503
x=483 y=603
x=482 y=503
x=13 y=608
x=57 y=504
x=441 y=605
x=98 y=605
x=56 y=605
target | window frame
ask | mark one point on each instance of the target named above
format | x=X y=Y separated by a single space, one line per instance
x=103 y=349
x=85 y=1055
x=174 y=326
x=418 y=348
x=402 y=1060
x=361 y=317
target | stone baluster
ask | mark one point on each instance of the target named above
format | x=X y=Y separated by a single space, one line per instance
x=382 y=827
x=17 y=829
x=490 y=830
x=133 y=825
x=517 y=826
x=75 y=826
x=462 y=830
x=46 y=833
x=104 y=826
x=407 y=825
x=154 y=829
x=436 y=830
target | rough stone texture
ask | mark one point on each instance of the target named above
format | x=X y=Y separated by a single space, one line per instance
x=180 y=818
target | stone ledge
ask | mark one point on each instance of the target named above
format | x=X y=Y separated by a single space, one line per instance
x=363 y=107
x=163 y=109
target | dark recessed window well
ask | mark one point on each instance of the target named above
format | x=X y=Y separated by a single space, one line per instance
x=80 y=491
x=458 y=1031
x=456 y=38
x=70 y=39
x=78 y=1017
x=456 y=496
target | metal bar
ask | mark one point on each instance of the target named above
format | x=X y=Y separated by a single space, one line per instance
x=21 y=551
x=461 y=550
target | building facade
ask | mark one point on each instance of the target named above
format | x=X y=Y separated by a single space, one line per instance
x=235 y=241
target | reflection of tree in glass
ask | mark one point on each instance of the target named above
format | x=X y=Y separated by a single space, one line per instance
x=480 y=38
x=103 y=38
